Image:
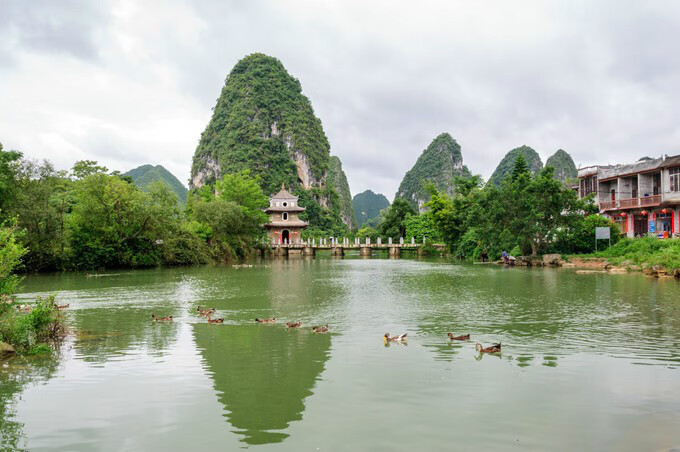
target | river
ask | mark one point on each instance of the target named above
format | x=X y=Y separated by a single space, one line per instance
x=589 y=362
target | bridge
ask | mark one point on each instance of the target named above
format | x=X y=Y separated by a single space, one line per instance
x=337 y=247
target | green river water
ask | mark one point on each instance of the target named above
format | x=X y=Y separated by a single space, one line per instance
x=589 y=362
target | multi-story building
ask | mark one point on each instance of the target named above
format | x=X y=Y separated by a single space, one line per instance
x=642 y=197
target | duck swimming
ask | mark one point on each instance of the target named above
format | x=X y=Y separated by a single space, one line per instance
x=63 y=306
x=293 y=324
x=320 y=329
x=161 y=319
x=462 y=337
x=495 y=348
x=205 y=311
x=400 y=338
x=269 y=320
x=211 y=320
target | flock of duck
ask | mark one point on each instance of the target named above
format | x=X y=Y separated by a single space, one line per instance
x=208 y=312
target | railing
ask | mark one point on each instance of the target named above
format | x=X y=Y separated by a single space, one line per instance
x=628 y=203
x=605 y=205
x=650 y=200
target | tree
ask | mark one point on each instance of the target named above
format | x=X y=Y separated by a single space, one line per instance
x=83 y=168
x=394 y=222
x=244 y=190
x=520 y=167
x=8 y=161
x=11 y=252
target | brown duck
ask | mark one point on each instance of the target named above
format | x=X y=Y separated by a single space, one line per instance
x=62 y=306
x=211 y=320
x=205 y=312
x=495 y=348
x=400 y=338
x=293 y=324
x=269 y=320
x=462 y=337
x=320 y=329
x=161 y=319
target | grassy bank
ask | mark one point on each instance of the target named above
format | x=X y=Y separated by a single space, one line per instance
x=643 y=251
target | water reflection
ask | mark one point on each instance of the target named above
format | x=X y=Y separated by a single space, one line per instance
x=15 y=375
x=263 y=373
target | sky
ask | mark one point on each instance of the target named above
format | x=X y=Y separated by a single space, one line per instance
x=126 y=82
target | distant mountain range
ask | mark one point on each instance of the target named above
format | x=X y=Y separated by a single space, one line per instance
x=144 y=175
x=367 y=206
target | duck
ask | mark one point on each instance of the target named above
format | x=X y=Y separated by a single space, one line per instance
x=293 y=324
x=400 y=338
x=495 y=348
x=462 y=337
x=24 y=308
x=62 y=306
x=211 y=320
x=205 y=311
x=161 y=319
x=320 y=329
x=269 y=320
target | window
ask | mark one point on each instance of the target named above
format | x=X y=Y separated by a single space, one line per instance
x=285 y=216
x=285 y=204
x=588 y=185
x=292 y=203
x=675 y=178
x=278 y=204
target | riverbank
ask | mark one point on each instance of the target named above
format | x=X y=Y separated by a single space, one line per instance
x=652 y=256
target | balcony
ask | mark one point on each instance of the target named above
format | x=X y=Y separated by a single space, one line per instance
x=629 y=203
x=650 y=200
x=606 y=205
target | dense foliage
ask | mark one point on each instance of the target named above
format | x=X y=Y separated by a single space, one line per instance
x=646 y=250
x=394 y=220
x=143 y=176
x=338 y=182
x=91 y=218
x=367 y=206
x=438 y=164
x=505 y=167
x=263 y=123
x=528 y=213
x=24 y=329
x=565 y=169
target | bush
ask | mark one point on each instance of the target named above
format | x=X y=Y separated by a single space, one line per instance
x=25 y=330
x=649 y=250
x=579 y=237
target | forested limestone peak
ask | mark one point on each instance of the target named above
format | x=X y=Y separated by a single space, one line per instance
x=338 y=179
x=263 y=123
x=506 y=165
x=565 y=169
x=367 y=206
x=144 y=175
x=439 y=163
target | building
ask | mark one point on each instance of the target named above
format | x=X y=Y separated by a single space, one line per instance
x=642 y=197
x=284 y=225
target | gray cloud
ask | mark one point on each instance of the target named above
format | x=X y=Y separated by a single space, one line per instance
x=134 y=82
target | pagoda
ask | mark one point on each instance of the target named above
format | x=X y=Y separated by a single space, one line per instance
x=284 y=225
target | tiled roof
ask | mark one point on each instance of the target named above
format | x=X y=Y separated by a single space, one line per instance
x=287 y=223
x=284 y=194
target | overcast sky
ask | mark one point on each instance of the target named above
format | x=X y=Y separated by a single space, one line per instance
x=129 y=82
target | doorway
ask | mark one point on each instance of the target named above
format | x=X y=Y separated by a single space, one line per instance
x=640 y=225
x=285 y=236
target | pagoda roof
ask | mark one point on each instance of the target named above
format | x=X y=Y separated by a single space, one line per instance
x=284 y=194
x=287 y=224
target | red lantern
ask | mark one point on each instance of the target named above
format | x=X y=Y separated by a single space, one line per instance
x=664 y=210
x=644 y=212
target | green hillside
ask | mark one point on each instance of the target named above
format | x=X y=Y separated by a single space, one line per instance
x=263 y=123
x=563 y=164
x=439 y=163
x=367 y=206
x=508 y=163
x=144 y=175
